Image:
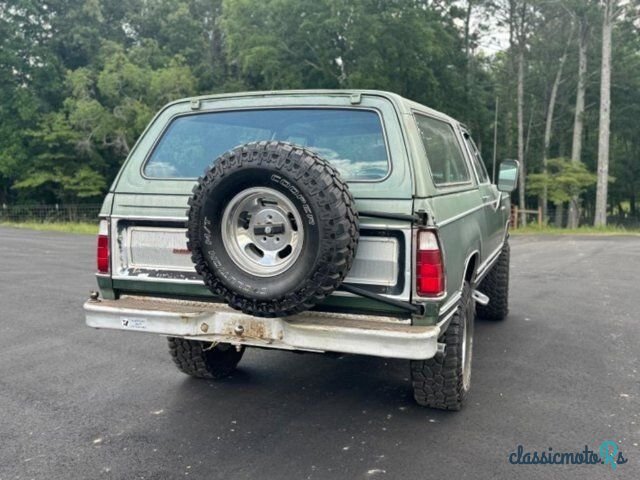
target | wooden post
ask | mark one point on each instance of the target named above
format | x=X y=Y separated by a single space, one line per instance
x=540 y=217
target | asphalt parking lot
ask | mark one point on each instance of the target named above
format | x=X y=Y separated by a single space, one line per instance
x=561 y=372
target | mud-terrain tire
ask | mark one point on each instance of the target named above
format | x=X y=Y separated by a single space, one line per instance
x=443 y=381
x=496 y=286
x=199 y=360
x=251 y=192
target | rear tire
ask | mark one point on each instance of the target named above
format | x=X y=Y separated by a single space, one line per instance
x=496 y=286
x=443 y=381
x=199 y=360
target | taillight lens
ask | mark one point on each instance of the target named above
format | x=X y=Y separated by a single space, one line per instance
x=429 y=269
x=103 y=247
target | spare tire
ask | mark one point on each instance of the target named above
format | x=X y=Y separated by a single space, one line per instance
x=272 y=228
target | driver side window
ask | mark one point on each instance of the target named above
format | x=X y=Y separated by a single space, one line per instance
x=478 y=163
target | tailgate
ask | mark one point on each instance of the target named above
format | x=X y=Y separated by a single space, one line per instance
x=155 y=251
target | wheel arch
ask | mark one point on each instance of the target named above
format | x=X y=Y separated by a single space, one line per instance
x=470 y=267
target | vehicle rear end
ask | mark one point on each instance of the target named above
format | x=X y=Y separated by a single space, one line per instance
x=146 y=274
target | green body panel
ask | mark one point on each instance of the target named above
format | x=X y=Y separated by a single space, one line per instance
x=105 y=210
x=105 y=284
x=175 y=206
x=470 y=219
x=355 y=304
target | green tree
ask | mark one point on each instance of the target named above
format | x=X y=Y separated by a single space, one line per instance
x=357 y=44
x=83 y=144
x=79 y=79
x=563 y=181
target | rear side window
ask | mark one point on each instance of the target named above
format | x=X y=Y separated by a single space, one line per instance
x=478 y=163
x=447 y=163
x=352 y=140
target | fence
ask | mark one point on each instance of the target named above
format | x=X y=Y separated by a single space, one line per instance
x=530 y=214
x=89 y=213
x=50 y=213
x=560 y=218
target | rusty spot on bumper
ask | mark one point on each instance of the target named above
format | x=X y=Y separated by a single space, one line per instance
x=249 y=328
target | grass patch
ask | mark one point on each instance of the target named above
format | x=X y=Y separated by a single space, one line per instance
x=67 y=227
x=586 y=230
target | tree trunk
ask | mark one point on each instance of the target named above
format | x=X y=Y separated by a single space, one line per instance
x=467 y=48
x=495 y=142
x=512 y=69
x=600 y=218
x=521 y=187
x=558 y=215
x=508 y=130
x=549 y=120
x=578 y=122
x=527 y=135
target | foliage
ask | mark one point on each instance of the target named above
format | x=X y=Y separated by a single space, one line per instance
x=563 y=180
x=80 y=79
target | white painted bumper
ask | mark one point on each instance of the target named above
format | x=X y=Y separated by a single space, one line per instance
x=312 y=331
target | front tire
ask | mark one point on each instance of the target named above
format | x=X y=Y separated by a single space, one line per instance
x=496 y=286
x=201 y=360
x=443 y=381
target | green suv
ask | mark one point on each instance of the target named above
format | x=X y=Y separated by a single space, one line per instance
x=321 y=221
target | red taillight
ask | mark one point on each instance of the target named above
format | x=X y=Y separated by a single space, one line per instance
x=429 y=269
x=103 y=247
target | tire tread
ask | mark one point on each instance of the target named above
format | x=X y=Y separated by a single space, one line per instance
x=437 y=382
x=496 y=286
x=199 y=360
x=323 y=186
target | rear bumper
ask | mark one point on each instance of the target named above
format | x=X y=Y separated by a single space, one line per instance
x=310 y=331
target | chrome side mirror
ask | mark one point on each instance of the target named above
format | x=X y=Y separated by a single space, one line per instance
x=508 y=176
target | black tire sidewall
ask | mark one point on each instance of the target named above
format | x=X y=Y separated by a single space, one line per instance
x=496 y=286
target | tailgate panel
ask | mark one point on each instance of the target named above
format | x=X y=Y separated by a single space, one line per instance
x=145 y=248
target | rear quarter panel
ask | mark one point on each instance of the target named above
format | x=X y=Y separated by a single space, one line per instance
x=456 y=212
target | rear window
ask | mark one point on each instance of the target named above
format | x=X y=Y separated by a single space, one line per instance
x=352 y=140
